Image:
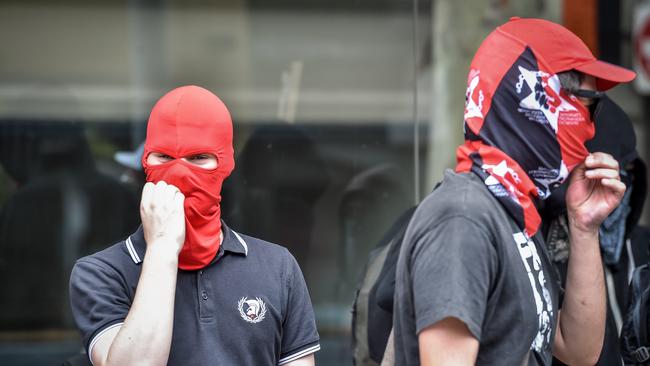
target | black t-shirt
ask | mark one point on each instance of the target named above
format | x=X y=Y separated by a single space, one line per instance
x=464 y=257
x=250 y=306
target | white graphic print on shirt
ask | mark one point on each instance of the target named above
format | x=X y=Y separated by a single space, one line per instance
x=543 y=303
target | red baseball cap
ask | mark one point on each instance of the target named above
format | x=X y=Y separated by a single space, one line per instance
x=562 y=50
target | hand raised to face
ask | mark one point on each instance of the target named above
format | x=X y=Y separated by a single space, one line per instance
x=163 y=216
x=595 y=190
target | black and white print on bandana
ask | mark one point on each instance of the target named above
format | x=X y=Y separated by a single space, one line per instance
x=543 y=301
x=518 y=115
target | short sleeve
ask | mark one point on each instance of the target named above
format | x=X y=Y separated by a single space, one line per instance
x=98 y=299
x=299 y=334
x=454 y=265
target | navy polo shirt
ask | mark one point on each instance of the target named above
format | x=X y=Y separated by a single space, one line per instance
x=249 y=306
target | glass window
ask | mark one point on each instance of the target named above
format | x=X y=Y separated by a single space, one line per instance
x=323 y=103
x=333 y=104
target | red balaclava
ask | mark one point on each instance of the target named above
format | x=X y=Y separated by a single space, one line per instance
x=186 y=121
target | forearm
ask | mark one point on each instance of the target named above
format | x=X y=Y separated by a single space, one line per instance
x=582 y=321
x=447 y=342
x=304 y=361
x=146 y=333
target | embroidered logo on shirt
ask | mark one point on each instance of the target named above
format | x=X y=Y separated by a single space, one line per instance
x=543 y=302
x=253 y=311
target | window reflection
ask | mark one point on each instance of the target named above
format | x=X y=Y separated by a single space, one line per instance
x=278 y=179
x=62 y=208
x=321 y=95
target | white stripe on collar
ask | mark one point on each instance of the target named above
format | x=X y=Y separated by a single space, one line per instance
x=132 y=252
x=241 y=241
x=136 y=258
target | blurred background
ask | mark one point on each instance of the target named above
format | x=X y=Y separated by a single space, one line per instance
x=345 y=114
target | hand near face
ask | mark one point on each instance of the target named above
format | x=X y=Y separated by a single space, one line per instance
x=163 y=216
x=594 y=191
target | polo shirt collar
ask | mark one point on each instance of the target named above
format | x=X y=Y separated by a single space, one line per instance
x=232 y=243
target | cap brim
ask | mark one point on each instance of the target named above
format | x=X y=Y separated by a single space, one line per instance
x=607 y=75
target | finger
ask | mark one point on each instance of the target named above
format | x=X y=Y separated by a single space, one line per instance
x=577 y=173
x=170 y=193
x=146 y=200
x=147 y=194
x=579 y=167
x=172 y=189
x=179 y=199
x=601 y=160
x=601 y=173
x=615 y=185
x=163 y=192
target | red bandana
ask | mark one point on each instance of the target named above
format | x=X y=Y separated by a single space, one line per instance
x=523 y=134
x=504 y=178
x=187 y=121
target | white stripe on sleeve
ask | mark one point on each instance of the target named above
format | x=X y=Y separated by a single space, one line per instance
x=300 y=354
x=96 y=338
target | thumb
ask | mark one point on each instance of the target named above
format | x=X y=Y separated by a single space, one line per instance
x=578 y=171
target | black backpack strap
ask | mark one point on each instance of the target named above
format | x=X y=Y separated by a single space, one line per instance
x=639 y=317
x=641 y=354
x=640 y=296
x=384 y=289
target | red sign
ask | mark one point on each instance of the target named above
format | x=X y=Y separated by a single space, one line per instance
x=641 y=43
x=642 y=47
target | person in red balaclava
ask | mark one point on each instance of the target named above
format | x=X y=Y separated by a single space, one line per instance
x=474 y=283
x=185 y=289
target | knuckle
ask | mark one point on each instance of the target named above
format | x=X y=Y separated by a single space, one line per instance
x=611 y=161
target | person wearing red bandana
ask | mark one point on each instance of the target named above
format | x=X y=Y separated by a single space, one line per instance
x=474 y=283
x=185 y=289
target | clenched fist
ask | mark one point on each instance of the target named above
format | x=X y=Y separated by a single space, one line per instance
x=163 y=216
